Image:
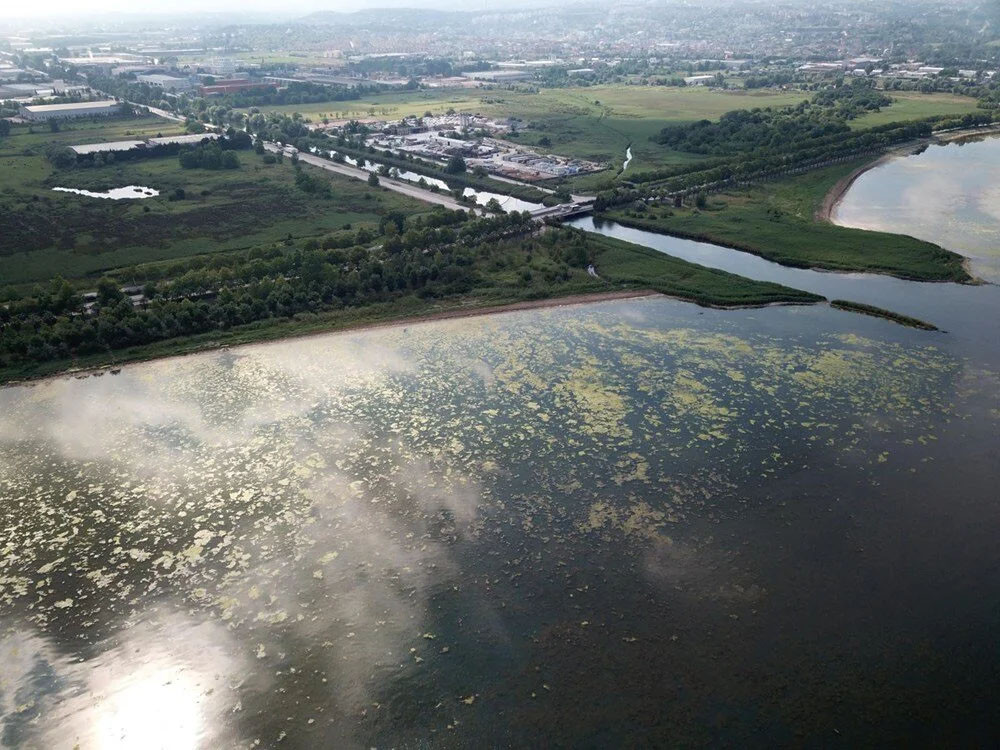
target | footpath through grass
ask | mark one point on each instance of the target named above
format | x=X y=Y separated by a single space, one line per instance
x=776 y=221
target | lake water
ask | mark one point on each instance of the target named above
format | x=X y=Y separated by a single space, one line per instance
x=949 y=195
x=129 y=192
x=630 y=522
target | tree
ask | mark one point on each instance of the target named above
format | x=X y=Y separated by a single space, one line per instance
x=230 y=160
x=190 y=159
x=373 y=180
x=63 y=157
x=456 y=165
x=108 y=291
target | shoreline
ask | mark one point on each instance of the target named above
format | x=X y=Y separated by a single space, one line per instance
x=833 y=197
x=454 y=313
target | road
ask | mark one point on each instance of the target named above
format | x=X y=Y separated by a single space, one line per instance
x=160 y=112
x=399 y=186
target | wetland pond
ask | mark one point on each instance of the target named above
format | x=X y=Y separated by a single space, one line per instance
x=624 y=523
x=129 y=192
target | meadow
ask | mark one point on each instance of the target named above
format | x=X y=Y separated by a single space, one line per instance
x=46 y=233
x=596 y=122
x=913 y=105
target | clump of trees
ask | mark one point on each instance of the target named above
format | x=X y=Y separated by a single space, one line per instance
x=311 y=183
x=208 y=156
x=456 y=165
x=768 y=129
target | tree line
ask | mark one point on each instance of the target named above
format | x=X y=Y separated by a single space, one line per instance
x=434 y=256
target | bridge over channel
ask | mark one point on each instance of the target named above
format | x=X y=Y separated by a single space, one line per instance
x=564 y=210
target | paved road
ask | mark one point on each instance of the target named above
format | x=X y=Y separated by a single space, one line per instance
x=399 y=186
x=160 y=112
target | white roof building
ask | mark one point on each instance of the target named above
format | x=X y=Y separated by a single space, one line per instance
x=43 y=112
x=165 y=82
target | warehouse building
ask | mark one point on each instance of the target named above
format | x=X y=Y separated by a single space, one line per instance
x=165 y=82
x=236 y=86
x=44 y=112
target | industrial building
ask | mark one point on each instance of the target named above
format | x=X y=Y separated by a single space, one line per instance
x=236 y=86
x=25 y=90
x=165 y=82
x=44 y=112
x=499 y=75
x=183 y=140
x=702 y=80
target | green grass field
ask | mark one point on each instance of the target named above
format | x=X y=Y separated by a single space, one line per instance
x=912 y=105
x=776 y=221
x=597 y=123
x=45 y=233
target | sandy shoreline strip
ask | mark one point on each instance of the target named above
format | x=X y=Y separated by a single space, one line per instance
x=834 y=195
x=431 y=317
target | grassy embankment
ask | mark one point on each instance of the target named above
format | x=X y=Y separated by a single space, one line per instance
x=878 y=312
x=45 y=233
x=776 y=221
x=501 y=281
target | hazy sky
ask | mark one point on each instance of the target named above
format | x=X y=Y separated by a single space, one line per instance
x=288 y=8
